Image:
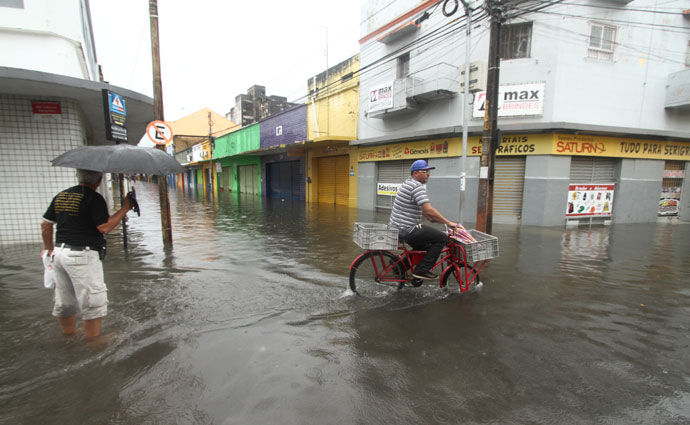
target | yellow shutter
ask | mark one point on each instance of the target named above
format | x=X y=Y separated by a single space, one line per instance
x=342 y=181
x=326 y=180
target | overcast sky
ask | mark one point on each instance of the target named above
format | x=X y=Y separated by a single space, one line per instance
x=213 y=50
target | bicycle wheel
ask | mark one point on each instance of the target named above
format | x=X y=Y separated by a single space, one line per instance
x=363 y=275
x=454 y=276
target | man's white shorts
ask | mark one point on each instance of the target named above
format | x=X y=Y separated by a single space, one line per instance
x=79 y=285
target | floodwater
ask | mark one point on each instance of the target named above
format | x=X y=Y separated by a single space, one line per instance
x=247 y=321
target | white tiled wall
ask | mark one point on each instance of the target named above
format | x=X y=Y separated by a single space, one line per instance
x=27 y=180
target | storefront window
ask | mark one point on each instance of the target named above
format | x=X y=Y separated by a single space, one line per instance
x=671 y=187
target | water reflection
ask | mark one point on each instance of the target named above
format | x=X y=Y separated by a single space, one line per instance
x=585 y=251
x=244 y=321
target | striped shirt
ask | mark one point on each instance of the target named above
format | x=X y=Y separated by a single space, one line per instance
x=407 y=207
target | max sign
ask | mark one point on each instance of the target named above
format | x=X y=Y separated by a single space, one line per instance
x=381 y=97
x=514 y=101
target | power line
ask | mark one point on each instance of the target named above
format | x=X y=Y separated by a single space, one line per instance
x=365 y=48
x=339 y=38
x=626 y=9
x=586 y=37
x=441 y=32
x=631 y=23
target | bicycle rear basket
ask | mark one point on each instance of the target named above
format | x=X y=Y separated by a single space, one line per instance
x=485 y=248
x=375 y=236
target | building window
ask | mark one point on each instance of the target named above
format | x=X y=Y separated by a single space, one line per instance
x=602 y=39
x=516 y=41
x=403 y=65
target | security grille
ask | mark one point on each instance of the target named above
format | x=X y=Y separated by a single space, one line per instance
x=516 y=41
x=509 y=181
x=592 y=170
x=391 y=172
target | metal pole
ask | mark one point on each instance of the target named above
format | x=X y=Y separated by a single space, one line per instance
x=466 y=108
x=123 y=192
x=158 y=116
x=489 y=135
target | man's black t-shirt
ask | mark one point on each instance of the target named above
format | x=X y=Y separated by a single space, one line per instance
x=78 y=211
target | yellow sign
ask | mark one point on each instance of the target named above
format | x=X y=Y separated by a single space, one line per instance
x=534 y=144
x=511 y=145
x=411 y=150
x=569 y=144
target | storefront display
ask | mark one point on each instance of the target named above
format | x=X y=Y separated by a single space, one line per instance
x=587 y=200
x=671 y=188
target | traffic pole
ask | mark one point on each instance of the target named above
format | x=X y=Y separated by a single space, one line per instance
x=158 y=116
x=490 y=133
x=466 y=105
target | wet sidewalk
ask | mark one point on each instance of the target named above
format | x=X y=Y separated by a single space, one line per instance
x=247 y=320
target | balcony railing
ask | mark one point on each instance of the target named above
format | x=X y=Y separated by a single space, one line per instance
x=439 y=81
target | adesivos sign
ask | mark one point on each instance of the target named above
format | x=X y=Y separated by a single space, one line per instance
x=389 y=189
x=381 y=97
x=517 y=100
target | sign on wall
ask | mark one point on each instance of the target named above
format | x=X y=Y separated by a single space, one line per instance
x=388 y=189
x=517 y=100
x=533 y=144
x=412 y=150
x=115 y=112
x=587 y=200
x=41 y=107
x=586 y=145
x=381 y=97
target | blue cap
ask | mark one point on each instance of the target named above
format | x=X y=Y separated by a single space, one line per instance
x=420 y=164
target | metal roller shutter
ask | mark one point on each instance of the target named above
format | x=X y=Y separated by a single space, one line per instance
x=592 y=170
x=326 y=180
x=391 y=172
x=509 y=181
x=333 y=180
x=342 y=181
x=224 y=179
x=248 y=179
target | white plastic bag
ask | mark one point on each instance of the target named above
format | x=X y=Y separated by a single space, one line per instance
x=48 y=272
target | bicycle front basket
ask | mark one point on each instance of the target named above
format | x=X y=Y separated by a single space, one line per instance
x=485 y=248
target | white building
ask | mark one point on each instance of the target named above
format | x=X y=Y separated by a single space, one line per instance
x=592 y=93
x=50 y=102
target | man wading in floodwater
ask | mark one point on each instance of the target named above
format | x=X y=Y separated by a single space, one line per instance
x=409 y=206
x=81 y=215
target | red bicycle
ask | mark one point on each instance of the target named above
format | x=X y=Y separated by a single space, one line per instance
x=378 y=267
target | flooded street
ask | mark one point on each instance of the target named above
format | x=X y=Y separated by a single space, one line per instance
x=247 y=321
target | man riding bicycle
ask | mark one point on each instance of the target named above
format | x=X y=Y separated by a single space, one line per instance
x=409 y=206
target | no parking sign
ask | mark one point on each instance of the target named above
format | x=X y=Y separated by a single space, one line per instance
x=159 y=132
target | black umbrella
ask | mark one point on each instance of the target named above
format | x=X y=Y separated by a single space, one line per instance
x=119 y=159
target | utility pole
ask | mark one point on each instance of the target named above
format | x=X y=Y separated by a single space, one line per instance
x=490 y=133
x=212 y=175
x=466 y=107
x=158 y=116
